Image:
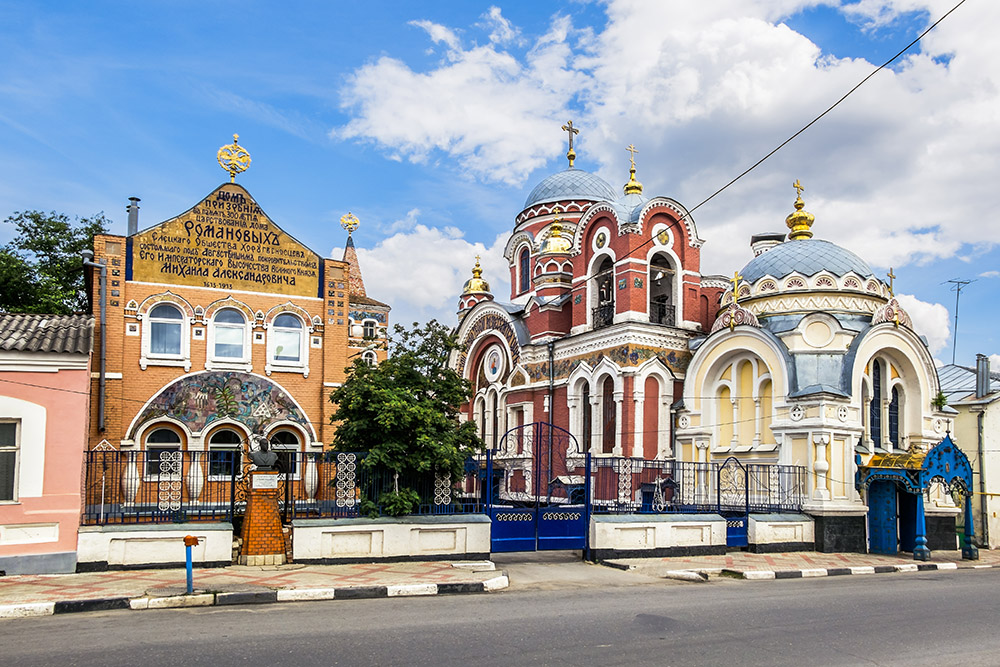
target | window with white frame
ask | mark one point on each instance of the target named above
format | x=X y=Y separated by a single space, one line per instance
x=368 y=329
x=287 y=334
x=223 y=448
x=165 y=337
x=286 y=444
x=9 y=450
x=228 y=336
x=166 y=324
x=158 y=442
x=369 y=358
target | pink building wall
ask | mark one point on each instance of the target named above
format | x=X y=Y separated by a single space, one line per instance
x=38 y=530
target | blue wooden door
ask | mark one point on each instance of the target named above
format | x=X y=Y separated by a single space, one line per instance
x=882 y=530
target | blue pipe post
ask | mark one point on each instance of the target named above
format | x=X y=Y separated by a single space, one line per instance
x=969 y=550
x=190 y=541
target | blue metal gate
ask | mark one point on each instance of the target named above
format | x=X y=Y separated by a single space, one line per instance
x=538 y=490
x=882 y=528
x=734 y=501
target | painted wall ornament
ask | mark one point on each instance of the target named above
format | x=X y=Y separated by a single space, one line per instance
x=200 y=399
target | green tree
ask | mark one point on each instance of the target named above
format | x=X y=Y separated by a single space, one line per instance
x=404 y=412
x=40 y=268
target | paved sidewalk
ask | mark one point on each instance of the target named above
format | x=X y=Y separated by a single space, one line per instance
x=797 y=564
x=40 y=595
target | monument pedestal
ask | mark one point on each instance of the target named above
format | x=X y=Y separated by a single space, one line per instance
x=263 y=541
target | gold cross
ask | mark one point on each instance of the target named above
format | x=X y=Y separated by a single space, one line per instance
x=568 y=127
x=892 y=277
x=736 y=283
x=633 y=150
x=798 y=188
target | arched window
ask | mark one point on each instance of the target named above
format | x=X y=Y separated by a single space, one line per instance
x=661 y=291
x=894 y=418
x=229 y=335
x=604 y=294
x=286 y=339
x=165 y=330
x=287 y=445
x=744 y=404
x=524 y=271
x=875 y=407
x=369 y=358
x=588 y=420
x=159 y=442
x=223 y=448
x=368 y=329
x=609 y=412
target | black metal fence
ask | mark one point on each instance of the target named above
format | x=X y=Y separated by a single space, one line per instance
x=626 y=485
x=165 y=486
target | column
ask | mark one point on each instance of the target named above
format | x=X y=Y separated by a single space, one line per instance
x=640 y=424
x=820 y=466
x=619 y=397
x=920 y=550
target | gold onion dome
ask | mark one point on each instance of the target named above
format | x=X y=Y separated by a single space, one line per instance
x=800 y=221
x=633 y=187
x=556 y=243
x=476 y=284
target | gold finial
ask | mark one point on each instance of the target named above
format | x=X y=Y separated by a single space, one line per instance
x=349 y=222
x=476 y=284
x=736 y=296
x=556 y=243
x=633 y=187
x=800 y=221
x=892 y=277
x=570 y=154
x=233 y=158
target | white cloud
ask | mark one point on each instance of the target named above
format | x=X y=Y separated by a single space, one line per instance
x=502 y=31
x=420 y=271
x=990 y=274
x=994 y=363
x=895 y=173
x=929 y=319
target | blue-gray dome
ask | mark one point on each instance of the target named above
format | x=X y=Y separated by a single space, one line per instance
x=629 y=207
x=805 y=256
x=571 y=184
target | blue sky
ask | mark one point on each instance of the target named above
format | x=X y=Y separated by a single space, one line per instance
x=432 y=121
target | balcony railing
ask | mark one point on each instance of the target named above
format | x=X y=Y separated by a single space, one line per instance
x=604 y=315
x=663 y=313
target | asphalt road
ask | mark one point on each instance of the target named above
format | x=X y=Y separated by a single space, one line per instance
x=932 y=618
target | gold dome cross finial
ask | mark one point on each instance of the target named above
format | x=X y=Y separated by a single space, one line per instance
x=633 y=187
x=799 y=222
x=234 y=158
x=570 y=154
x=349 y=222
x=736 y=297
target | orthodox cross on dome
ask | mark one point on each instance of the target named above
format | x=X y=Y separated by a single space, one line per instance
x=633 y=187
x=233 y=158
x=349 y=222
x=799 y=222
x=570 y=154
x=736 y=283
x=892 y=278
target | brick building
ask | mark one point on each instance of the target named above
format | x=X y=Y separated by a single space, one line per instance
x=606 y=294
x=219 y=325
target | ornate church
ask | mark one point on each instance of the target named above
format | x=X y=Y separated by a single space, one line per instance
x=805 y=358
x=606 y=298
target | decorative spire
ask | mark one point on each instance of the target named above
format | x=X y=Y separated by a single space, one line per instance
x=633 y=187
x=233 y=158
x=556 y=243
x=350 y=222
x=800 y=221
x=736 y=298
x=570 y=154
x=476 y=284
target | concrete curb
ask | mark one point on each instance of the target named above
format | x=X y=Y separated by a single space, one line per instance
x=757 y=575
x=202 y=599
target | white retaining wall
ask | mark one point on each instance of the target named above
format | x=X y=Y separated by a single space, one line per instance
x=331 y=540
x=789 y=529
x=638 y=535
x=153 y=544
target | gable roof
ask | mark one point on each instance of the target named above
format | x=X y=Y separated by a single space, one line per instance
x=72 y=334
